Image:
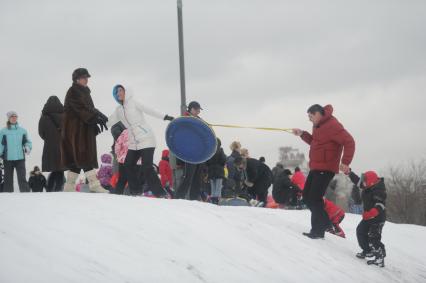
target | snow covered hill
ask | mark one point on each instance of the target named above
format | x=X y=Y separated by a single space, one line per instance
x=77 y=237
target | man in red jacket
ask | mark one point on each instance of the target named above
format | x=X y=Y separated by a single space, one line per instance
x=328 y=141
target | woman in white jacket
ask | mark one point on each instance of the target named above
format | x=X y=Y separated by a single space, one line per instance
x=142 y=141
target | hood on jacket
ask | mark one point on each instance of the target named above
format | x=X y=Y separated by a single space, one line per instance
x=328 y=113
x=106 y=158
x=53 y=105
x=115 y=92
x=370 y=179
x=165 y=155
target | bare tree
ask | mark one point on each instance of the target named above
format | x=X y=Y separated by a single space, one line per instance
x=406 y=187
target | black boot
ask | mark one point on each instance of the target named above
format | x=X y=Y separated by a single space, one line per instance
x=313 y=235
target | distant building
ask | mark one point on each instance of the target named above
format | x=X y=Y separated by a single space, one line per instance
x=291 y=158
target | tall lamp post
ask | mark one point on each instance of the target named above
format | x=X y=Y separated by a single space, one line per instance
x=181 y=60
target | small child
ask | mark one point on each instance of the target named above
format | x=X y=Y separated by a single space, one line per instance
x=37 y=182
x=105 y=172
x=336 y=215
x=369 y=230
x=166 y=174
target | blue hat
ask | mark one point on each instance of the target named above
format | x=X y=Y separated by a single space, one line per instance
x=115 y=92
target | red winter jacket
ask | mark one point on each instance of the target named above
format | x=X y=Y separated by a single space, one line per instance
x=328 y=140
x=335 y=212
x=165 y=169
x=299 y=179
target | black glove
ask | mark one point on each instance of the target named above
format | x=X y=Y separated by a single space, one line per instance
x=97 y=129
x=168 y=118
x=101 y=116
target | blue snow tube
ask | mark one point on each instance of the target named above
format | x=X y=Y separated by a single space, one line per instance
x=191 y=139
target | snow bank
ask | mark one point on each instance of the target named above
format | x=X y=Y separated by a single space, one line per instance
x=77 y=237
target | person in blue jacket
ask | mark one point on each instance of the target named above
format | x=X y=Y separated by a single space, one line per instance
x=14 y=144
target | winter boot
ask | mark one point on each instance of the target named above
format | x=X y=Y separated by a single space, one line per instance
x=364 y=254
x=94 y=184
x=379 y=259
x=314 y=236
x=70 y=183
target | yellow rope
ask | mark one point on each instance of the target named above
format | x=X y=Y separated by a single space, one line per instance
x=256 y=128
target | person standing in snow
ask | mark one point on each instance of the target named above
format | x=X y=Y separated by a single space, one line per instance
x=277 y=170
x=121 y=148
x=142 y=141
x=105 y=172
x=298 y=178
x=216 y=172
x=49 y=129
x=235 y=152
x=327 y=142
x=190 y=187
x=82 y=123
x=165 y=171
x=37 y=181
x=14 y=145
x=369 y=230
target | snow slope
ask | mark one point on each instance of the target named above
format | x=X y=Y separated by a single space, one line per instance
x=77 y=237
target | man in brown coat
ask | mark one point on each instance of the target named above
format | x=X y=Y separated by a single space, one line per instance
x=82 y=122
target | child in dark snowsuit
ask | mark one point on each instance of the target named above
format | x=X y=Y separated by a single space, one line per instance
x=369 y=230
x=37 y=181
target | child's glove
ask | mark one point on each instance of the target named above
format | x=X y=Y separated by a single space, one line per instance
x=369 y=214
x=27 y=150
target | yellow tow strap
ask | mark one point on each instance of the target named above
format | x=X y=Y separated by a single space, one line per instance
x=256 y=128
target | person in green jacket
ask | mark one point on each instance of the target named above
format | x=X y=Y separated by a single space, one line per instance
x=14 y=145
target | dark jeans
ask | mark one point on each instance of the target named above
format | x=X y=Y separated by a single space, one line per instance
x=313 y=194
x=191 y=182
x=369 y=235
x=151 y=177
x=9 y=167
x=122 y=179
x=55 y=182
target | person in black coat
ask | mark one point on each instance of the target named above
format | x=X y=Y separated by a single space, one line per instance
x=258 y=179
x=37 y=181
x=369 y=230
x=284 y=191
x=49 y=129
x=216 y=172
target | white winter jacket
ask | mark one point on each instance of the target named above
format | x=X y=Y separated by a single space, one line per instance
x=131 y=114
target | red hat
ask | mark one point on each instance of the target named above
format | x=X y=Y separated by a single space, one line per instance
x=370 y=178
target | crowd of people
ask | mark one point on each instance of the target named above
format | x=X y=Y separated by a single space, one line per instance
x=69 y=133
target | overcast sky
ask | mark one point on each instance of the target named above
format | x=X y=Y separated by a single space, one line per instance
x=248 y=62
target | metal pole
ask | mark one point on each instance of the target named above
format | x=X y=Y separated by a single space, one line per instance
x=181 y=60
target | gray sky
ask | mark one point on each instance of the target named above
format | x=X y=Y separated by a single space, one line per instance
x=248 y=62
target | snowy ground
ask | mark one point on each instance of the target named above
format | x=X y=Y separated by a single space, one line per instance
x=77 y=237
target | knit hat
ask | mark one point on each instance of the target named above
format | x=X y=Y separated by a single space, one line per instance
x=287 y=172
x=11 y=113
x=370 y=178
x=115 y=92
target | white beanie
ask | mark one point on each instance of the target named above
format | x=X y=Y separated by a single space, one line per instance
x=11 y=113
